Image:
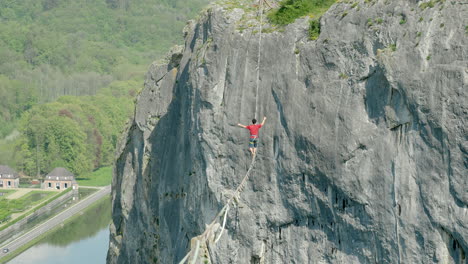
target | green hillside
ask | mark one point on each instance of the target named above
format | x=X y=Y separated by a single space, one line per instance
x=89 y=36
x=76 y=132
x=93 y=52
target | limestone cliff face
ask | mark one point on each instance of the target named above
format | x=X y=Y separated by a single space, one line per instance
x=363 y=159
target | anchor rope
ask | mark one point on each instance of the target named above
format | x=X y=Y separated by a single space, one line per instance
x=204 y=238
x=259 y=57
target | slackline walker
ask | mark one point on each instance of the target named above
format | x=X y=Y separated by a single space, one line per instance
x=214 y=230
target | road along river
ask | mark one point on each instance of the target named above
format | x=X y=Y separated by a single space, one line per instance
x=85 y=239
x=54 y=221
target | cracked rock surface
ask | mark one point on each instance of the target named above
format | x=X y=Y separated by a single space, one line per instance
x=363 y=159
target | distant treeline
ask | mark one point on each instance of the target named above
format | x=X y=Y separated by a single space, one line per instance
x=55 y=48
x=76 y=132
x=51 y=48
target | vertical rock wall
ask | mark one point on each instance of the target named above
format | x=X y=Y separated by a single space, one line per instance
x=363 y=158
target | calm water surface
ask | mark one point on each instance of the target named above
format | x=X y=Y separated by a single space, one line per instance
x=85 y=240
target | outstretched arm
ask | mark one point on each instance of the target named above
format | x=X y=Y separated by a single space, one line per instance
x=242 y=125
x=264 y=119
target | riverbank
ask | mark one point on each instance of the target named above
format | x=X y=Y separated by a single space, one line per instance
x=29 y=239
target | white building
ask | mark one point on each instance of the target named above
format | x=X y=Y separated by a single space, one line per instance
x=8 y=177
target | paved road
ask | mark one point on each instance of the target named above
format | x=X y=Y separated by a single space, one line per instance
x=54 y=221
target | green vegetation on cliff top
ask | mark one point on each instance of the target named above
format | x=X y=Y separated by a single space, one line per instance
x=290 y=10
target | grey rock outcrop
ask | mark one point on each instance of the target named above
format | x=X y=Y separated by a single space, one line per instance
x=363 y=158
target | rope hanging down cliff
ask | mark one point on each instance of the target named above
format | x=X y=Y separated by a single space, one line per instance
x=208 y=236
x=259 y=56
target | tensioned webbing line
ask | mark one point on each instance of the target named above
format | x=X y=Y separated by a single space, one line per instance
x=203 y=238
x=259 y=56
x=209 y=232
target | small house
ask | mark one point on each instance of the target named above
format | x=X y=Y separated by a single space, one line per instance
x=60 y=179
x=8 y=177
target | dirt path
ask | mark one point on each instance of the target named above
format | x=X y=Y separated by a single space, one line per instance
x=18 y=194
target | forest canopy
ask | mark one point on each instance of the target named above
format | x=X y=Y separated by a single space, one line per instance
x=76 y=132
x=69 y=70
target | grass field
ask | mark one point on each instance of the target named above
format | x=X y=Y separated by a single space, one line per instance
x=99 y=177
x=43 y=203
x=8 y=207
x=28 y=185
x=5 y=192
x=85 y=192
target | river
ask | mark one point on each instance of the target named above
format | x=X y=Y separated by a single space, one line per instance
x=83 y=240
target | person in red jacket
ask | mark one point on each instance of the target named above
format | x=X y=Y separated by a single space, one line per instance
x=253 y=134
